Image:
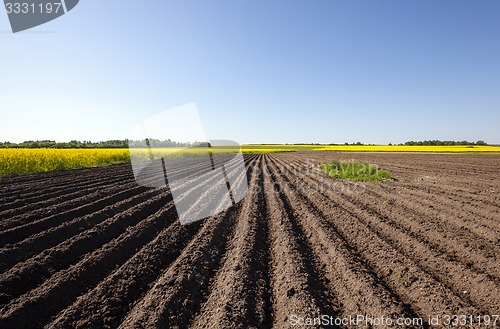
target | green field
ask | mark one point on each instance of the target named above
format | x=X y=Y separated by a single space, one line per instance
x=355 y=171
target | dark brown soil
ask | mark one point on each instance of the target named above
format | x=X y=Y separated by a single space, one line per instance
x=92 y=249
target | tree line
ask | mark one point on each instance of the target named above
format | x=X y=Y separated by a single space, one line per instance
x=445 y=143
x=125 y=143
x=110 y=144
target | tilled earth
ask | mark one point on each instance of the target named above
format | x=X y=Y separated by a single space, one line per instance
x=92 y=249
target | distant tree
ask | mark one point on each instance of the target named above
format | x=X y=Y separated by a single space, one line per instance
x=445 y=143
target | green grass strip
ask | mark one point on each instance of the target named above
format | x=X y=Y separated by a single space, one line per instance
x=355 y=171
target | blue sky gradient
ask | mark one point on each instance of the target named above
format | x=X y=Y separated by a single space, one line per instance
x=259 y=71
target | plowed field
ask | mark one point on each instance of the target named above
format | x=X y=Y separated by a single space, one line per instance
x=92 y=249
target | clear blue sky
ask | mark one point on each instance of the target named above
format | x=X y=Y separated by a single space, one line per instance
x=260 y=71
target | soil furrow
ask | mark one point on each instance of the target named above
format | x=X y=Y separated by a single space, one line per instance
x=457 y=207
x=21 y=232
x=107 y=304
x=29 y=274
x=45 y=240
x=350 y=276
x=299 y=284
x=37 y=307
x=178 y=293
x=479 y=290
x=60 y=184
x=240 y=283
x=370 y=222
x=453 y=243
x=39 y=214
x=47 y=199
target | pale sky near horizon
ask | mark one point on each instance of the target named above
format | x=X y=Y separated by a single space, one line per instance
x=282 y=71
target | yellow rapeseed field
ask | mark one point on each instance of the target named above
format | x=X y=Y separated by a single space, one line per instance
x=408 y=148
x=24 y=161
x=27 y=161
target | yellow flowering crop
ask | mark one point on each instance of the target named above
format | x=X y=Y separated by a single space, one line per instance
x=27 y=161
